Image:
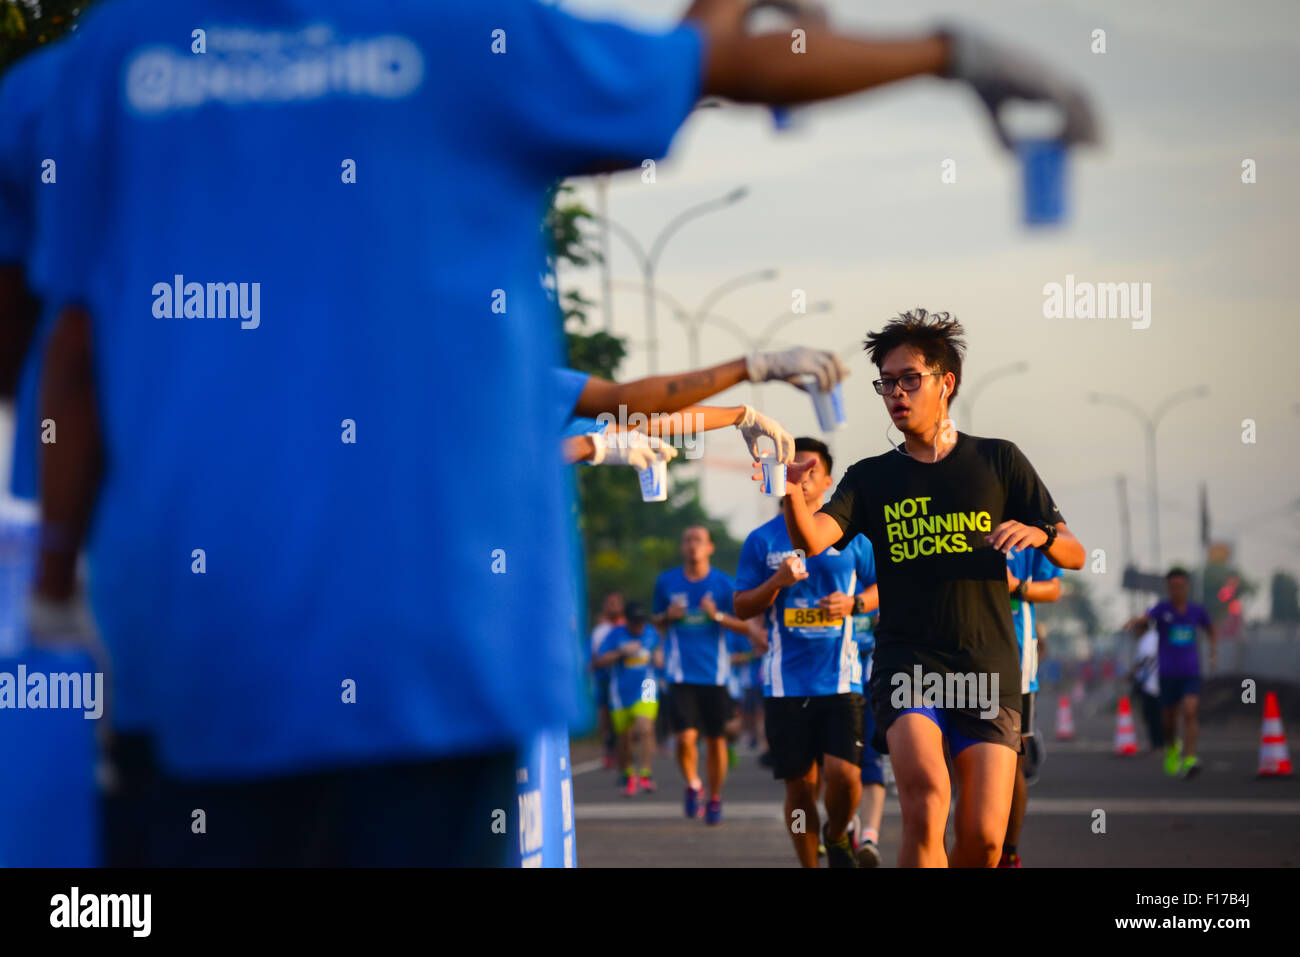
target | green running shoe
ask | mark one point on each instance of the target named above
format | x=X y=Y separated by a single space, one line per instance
x=733 y=757
x=1173 y=758
x=1191 y=767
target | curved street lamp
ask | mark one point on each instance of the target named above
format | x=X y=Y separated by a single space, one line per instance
x=1149 y=424
x=648 y=260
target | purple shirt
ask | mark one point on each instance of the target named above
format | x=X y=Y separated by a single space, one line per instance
x=1178 y=657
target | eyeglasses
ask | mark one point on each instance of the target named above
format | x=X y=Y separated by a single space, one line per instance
x=910 y=382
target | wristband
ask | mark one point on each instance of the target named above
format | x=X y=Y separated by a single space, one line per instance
x=1022 y=590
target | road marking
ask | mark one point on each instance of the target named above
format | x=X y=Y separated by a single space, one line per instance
x=766 y=810
x=595 y=764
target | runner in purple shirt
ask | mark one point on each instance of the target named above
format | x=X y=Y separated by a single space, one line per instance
x=1178 y=621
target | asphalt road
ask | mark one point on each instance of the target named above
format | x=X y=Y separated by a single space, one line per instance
x=1225 y=817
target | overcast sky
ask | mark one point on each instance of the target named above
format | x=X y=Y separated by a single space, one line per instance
x=853 y=210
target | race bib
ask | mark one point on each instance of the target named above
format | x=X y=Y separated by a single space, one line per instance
x=810 y=618
x=1182 y=634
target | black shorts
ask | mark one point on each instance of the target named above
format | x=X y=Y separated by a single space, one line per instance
x=801 y=730
x=129 y=811
x=703 y=708
x=408 y=814
x=1027 y=714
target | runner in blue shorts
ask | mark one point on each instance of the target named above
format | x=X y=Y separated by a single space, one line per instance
x=941 y=511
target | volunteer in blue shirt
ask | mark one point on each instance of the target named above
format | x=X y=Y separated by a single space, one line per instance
x=271 y=476
x=63 y=429
x=1031 y=580
x=270 y=298
x=812 y=672
x=631 y=652
x=693 y=604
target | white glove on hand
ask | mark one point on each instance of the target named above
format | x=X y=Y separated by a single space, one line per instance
x=792 y=364
x=632 y=448
x=52 y=623
x=998 y=73
x=754 y=425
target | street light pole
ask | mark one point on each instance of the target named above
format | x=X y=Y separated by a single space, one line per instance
x=1015 y=368
x=1149 y=424
x=697 y=318
x=649 y=261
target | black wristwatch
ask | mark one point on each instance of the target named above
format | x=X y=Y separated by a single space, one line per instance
x=858 y=604
x=1022 y=590
x=1050 y=530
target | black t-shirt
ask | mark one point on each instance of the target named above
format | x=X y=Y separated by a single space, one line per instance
x=943 y=588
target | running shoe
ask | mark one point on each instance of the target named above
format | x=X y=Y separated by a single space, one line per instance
x=868 y=854
x=1173 y=758
x=838 y=853
x=630 y=788
x=1191 y=767
x=713 y=814
x=694 y=806
x=733 y=757
x=852 y=832
x=1009 y=860
x=648 y=785
x=607 y=761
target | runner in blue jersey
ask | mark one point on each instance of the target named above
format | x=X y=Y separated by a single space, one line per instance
x=693 y=605
x=812 y=674
x=1032 y=580
x=632 y=652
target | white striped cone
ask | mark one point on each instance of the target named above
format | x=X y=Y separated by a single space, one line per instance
x=1274 y=761
x=1126 y=741
x=1064 y=720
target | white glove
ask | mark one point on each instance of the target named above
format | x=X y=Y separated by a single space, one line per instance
x=792 y=364
x=52 y=623
x=632 y=448
x=998 y=73
x=754 y=425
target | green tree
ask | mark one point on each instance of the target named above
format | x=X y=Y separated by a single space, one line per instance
x=627 y=542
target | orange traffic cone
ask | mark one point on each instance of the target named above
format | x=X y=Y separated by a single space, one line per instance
x=1273 y=758
x=1126 y=741
x=1064 y=720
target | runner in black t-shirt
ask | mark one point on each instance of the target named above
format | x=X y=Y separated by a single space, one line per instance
x=941 y=512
